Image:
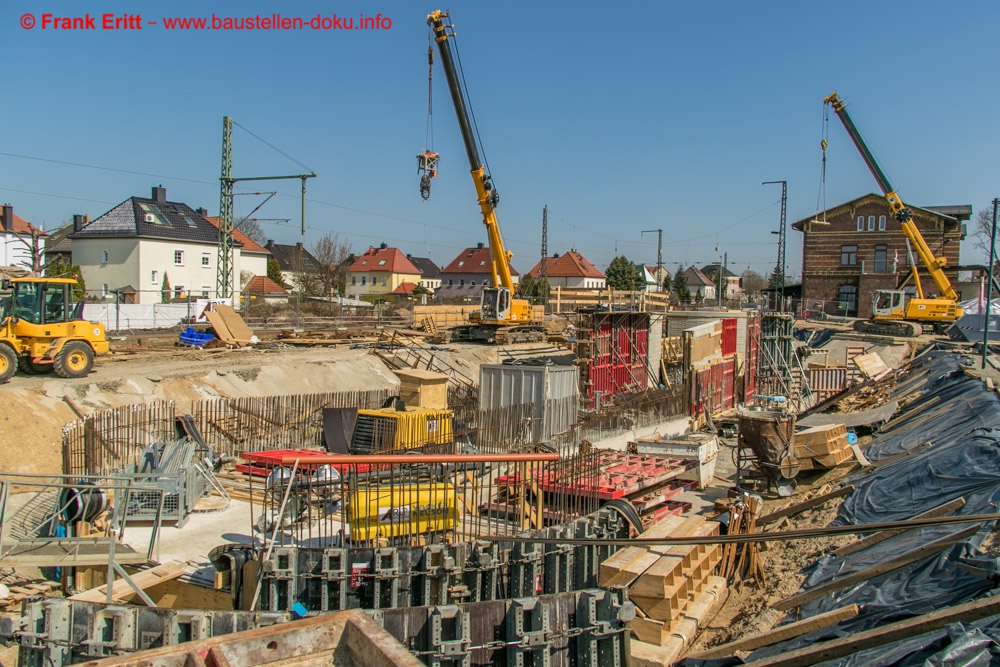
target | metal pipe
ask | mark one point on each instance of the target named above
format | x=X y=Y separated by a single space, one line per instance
x=989 y=285
x=374 y=459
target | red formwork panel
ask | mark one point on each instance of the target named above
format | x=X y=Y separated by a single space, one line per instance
x=714 y=387
x=728 y=336
x=618 y=355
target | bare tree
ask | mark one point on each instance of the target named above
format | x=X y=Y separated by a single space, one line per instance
x=35 y=250
x=252 y=228
x=981 y=235
x=325 y=275
x=752 y=284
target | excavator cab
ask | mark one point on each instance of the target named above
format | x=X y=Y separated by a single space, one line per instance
x=888 y=303
x=495 y=304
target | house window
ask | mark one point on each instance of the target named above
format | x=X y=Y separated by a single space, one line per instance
x=848 y=255
x=451 y=282
x=861 y=223
x=178 y=291
x=179 y=257
x=104 y=257
x=461 y=282
x=385 y=281
x=206 y=259
x=205 y=289
x=363 y=279
x=104 y=289
x=354 y=280
x=881 y=223
x=871 y=223
x=847 y=298
x=154 y=277
x=472 y=282
x=381 y=262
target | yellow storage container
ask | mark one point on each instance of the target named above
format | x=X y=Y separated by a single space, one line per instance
x=408 y=509
x=386 y=430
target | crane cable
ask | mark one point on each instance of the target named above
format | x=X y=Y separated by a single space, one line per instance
x=429 y=134
x=824 y=134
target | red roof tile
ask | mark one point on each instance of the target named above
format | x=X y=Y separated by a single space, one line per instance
x=21 y=226
x=249 y=245
x=474 y=260
x=264 y=285
x=569 y=265
x=405 y=288
x=391 y=260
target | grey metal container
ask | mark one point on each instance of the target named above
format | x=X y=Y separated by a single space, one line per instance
x=554 y=391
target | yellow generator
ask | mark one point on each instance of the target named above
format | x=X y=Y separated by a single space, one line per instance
x=390 y=429
x=43 y=330
x=400 y=510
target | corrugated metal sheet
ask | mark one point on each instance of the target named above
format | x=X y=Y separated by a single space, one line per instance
x=554 y=391
x=826 y=382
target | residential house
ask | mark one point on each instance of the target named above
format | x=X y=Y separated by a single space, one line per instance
x=263 y=289
x=702 y=287
x=856 y=248
x=295 y=263
x=380 y=271
x=661 y=275
x=58 y=246
x=570 y=270
x=731 y=289
x=18 y=236
x=130 y=249
x=430 y=273
x=253 y=256
x=469 y=272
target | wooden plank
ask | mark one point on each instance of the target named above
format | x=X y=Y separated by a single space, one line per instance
x=886 y=634
x=808 y=504
x=237 y=327
x=859 y=456
x=220 y=327
x=223 y=579
x=613 y=570
x=941 y=510
x=776 y=635
x=876 y=570
x=662 y=575
x=144 y=579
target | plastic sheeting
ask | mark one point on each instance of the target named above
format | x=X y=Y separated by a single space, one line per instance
x=961 y=420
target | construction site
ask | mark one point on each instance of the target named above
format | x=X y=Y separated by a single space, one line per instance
x=519 y=471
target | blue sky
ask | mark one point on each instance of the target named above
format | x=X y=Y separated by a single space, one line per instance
x=621 y=117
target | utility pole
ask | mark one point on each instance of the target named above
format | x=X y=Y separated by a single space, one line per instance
x=224 y=282
x=659 y=255
x=781 y=243
x=543 y=267
x=989 y=285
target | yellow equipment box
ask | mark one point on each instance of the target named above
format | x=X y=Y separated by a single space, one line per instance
x=408 y=509
x=386 y=430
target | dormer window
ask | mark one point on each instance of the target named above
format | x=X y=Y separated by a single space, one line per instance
x=381 y=262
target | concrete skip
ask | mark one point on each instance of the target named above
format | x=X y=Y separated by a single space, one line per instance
x=346 y=639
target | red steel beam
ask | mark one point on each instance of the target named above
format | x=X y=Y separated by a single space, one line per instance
x=374 y=459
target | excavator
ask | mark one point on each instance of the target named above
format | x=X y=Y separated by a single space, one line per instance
x=502 y=318
x=894 y=312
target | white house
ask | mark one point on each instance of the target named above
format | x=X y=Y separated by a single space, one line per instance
x=17 y=239
x=130 y=249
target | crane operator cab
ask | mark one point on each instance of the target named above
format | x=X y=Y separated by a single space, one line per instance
x=888 y=302
x=495 y=304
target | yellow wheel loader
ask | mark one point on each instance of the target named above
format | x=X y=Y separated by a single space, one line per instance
x=42 y=330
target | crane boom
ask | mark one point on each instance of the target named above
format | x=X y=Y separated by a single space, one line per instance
x=499 y=308
x=902 y=213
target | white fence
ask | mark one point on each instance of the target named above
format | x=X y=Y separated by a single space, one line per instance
x=127 y=316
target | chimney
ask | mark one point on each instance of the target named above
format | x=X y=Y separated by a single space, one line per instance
x=8 y=218
x=382 y=246
x=78 y=222
x=159 y=194
x=299 y=245
x=202 y=211
x=409 y=255
x=480 y=245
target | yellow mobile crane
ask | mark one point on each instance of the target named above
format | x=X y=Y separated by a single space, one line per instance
x=502 y=317
x=893 y=312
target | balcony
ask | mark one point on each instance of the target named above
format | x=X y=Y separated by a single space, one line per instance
x=879 y=266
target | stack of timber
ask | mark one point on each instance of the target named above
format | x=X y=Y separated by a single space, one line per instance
x=823 y=447
x=671 y=585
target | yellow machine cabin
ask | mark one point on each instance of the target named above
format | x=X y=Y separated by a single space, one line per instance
x=43 y=330
x=384 y=511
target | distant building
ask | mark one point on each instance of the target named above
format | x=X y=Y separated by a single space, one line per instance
x=469 y=272
x=699 y=284
x=18 y=236
x=380 y=271
x=662 y=277
x=571 y=270
x=430 y=273
x=732 y=281
x=294 y=261
x=262 y=288
x=856 y=248
x=128 y=250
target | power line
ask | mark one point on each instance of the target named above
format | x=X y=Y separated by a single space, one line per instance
x=48 y=194
x=120 y=171
x=275 y=148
